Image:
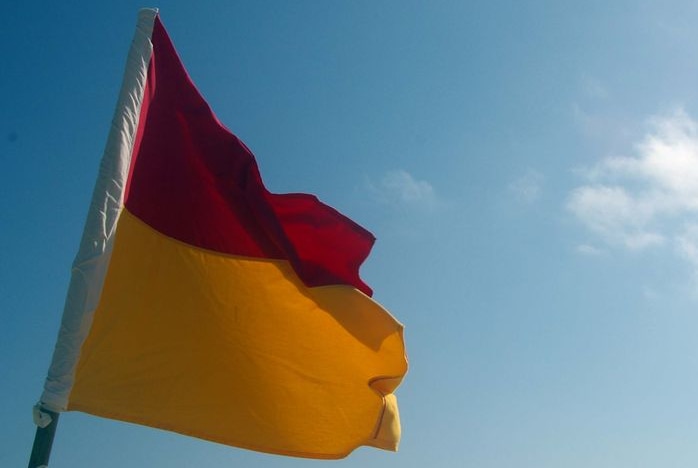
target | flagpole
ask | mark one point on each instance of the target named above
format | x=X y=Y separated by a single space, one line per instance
x=46 y=422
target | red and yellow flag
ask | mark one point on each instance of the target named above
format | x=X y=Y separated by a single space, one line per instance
x=203 y=304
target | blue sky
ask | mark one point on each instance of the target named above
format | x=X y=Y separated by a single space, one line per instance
x=530 y=172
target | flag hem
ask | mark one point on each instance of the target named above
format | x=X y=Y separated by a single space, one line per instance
x=90 y=264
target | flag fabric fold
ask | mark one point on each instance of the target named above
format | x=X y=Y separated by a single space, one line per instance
x=204 y=304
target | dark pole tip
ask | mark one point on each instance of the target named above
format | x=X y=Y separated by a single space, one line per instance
x=43 y=440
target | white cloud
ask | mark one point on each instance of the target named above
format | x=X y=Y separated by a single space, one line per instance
x=399 y=187
x=527 y=188
x=586 y=249
x=616 y=215
x=650 y=198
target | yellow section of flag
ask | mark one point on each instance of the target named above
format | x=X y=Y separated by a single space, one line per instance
x=237 y=350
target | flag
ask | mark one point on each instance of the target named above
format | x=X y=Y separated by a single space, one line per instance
x=204 y=304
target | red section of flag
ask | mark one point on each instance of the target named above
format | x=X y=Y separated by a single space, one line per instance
x=195 y=181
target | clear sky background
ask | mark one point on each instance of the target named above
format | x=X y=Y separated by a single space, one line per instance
x=530 y=170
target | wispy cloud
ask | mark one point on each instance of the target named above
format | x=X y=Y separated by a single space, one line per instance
x=650 y=198
x=617 y=216
x=586 y=249
x=399 y=187
x=528 y=187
